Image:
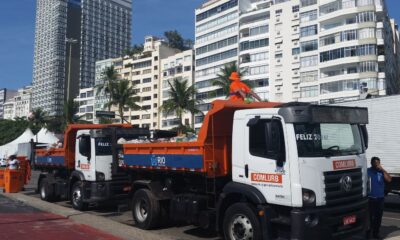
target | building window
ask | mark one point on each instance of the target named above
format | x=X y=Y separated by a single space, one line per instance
x=146 y=80
x=305 y=3
x=216 y=57
x=308 y=31
x=361 y=50
x=340 y=86
x=309 y=46
x=311 y=91
x=254 y=44
x=146 y=89
x=309 y=61
x=295 y=8
x=310 y=76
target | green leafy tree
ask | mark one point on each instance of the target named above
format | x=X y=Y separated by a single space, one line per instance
x=38 y=118
x=223 y=80
x=175 y=40
x=71 y=108
x=134 y=50
x=11 y=129
x=109 y=76
x=123 y=95
x=181 y=100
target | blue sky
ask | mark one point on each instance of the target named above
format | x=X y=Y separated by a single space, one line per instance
x=150 y=17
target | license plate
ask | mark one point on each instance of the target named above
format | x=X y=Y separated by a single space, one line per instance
x=349 y=220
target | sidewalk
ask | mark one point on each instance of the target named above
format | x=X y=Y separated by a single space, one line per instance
x=20 y=221
x=89 y=224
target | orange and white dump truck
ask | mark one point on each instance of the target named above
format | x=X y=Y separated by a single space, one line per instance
x=257 y=171
x=82 y=170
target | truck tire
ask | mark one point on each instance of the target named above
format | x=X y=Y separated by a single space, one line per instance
x=46 y=190
x=77 y=198
x=241 y=223
x=145 y=209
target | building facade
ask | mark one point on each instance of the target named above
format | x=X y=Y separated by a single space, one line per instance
x=144 y=73
x=23 y=102
x=216 y=44
x=86 y=101
x=181 y=67
x=19 y=105
x=70 y=36
x=5 y=94
x=320 y=51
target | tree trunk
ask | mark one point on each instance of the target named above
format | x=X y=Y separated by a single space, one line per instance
x=121 y=115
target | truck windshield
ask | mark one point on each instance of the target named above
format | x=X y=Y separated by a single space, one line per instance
x=103 y=146
x=325 y=140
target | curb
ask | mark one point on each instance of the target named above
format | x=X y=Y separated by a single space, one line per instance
x=100 y=223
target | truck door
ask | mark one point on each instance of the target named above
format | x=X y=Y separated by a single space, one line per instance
x=84 y=156
x=266 y=166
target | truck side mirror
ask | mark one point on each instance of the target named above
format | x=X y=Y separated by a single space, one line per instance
x=85 y=146
x=275 y=142
x=364 y=133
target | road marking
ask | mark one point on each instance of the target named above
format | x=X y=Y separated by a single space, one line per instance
x=397 y=219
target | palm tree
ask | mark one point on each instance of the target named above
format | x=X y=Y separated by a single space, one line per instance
x=223 y=80
x=181 y=100
x=123 y=95
x=38 y=118
x=71 y=108
x=109 y=76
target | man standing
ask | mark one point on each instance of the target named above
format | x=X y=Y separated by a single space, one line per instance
x=13 y=163
x=378 y=176
x=239 y=90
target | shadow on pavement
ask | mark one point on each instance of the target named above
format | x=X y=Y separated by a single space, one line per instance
x=387 y=230
x=201 y=233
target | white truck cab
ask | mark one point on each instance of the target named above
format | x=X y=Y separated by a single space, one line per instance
x=308 y=159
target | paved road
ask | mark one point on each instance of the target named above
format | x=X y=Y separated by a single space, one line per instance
x=390 y=229
x=23 y=222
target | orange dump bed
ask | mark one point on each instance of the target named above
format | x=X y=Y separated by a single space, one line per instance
x=211 y=153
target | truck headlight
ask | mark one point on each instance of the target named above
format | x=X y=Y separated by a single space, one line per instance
x=308 y=197
x=100 y=176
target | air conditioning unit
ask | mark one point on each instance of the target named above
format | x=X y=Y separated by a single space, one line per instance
x=296 y=57
x=296 y=15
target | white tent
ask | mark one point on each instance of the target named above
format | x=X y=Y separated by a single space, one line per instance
x=12 y=147
x=45 y=136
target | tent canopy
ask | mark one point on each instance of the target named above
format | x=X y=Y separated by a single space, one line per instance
x=45 y=136
x=12 y=147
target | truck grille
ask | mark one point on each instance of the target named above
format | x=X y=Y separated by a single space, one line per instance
x=335 y=191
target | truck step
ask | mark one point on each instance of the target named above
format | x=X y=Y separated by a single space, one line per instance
x=281 y=221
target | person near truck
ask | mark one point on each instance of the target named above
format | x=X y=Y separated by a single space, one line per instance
x=378 y=176
x=239 y=90
x=13 y=163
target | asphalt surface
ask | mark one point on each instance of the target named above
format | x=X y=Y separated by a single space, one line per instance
x=121 y=215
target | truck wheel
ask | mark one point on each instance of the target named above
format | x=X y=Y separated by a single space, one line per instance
x=76 y=197
x=46 y=190
x=241 y=223
x=145 y=209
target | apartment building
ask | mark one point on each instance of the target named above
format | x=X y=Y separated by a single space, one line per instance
x=9 y=109
x=181 y=67
x=86 y=101
x=144 y=72
x=320 y=51
x=216 y=44
x=19 y=105
x=5 y=94
x=23 y=102
x=70 y=36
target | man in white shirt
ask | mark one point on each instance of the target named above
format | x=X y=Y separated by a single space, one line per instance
x=13 y=163
x=3 y=162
